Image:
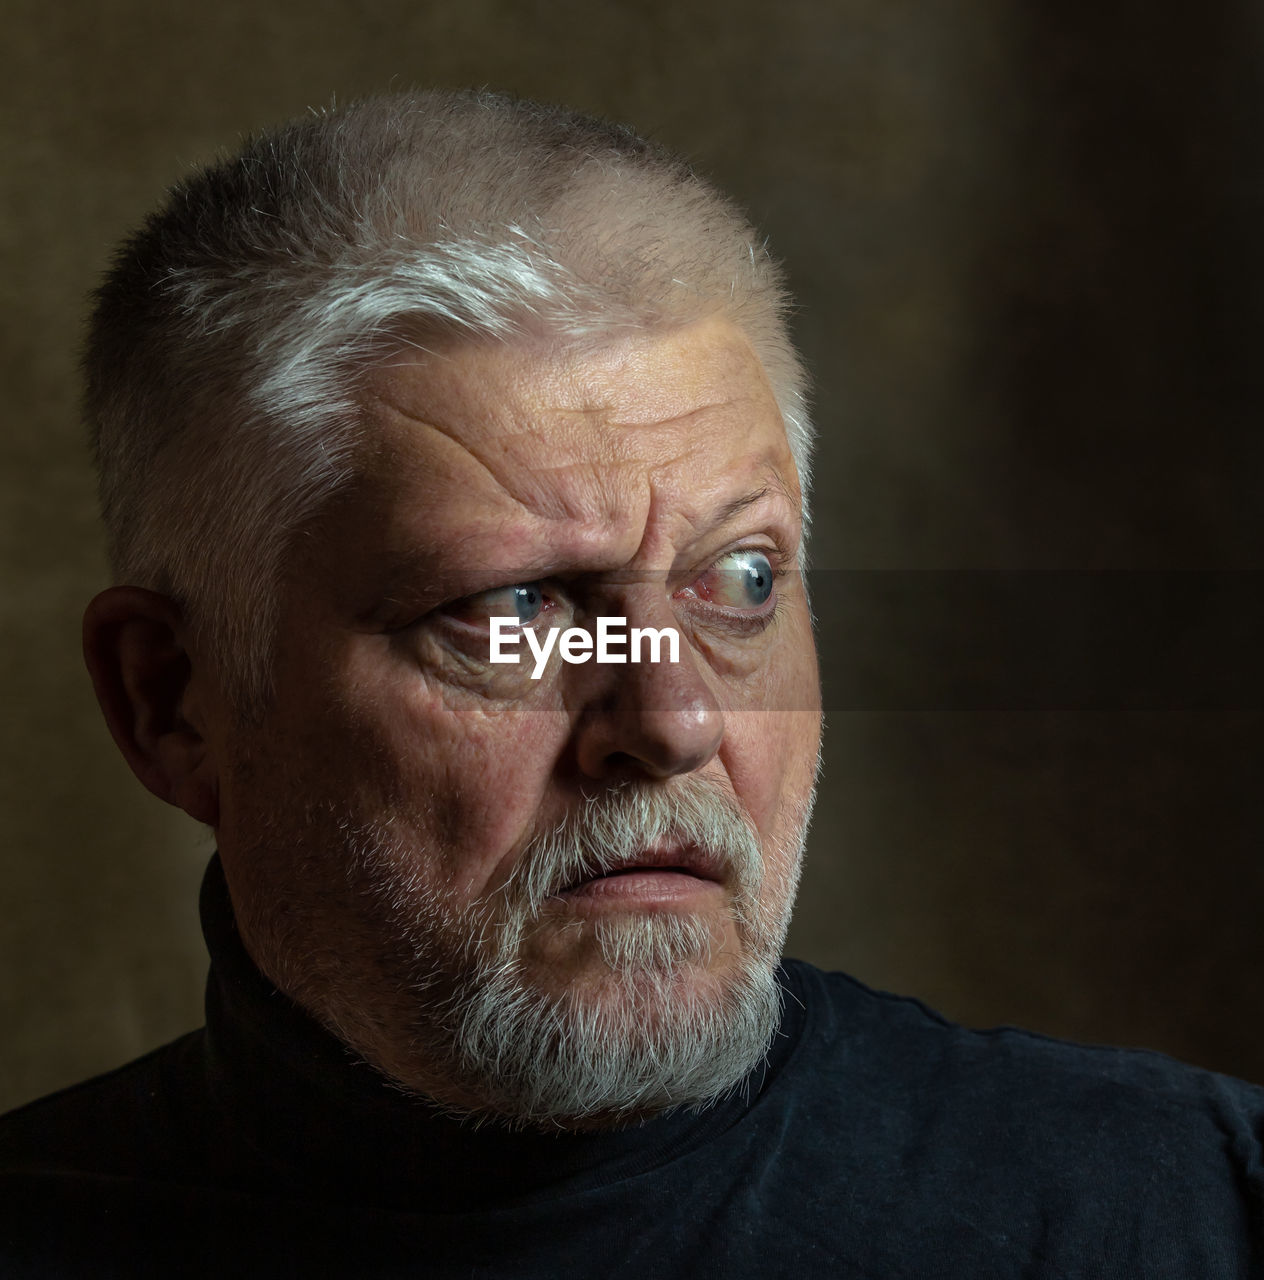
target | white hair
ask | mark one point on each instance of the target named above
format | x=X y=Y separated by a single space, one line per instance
x=228 y=343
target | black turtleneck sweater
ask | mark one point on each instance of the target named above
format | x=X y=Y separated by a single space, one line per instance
x=878 y=1141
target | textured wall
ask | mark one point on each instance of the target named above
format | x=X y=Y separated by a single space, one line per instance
x=1026 y=243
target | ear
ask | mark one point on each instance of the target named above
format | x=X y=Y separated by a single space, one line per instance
x=144 y=677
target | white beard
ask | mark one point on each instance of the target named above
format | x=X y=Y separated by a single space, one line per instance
x=452 y=1000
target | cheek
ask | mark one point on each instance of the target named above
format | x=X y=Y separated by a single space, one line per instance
x=770 y=749
x=469 y=781
x=770 y=757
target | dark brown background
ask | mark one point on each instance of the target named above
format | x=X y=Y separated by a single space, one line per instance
x=1027 y=244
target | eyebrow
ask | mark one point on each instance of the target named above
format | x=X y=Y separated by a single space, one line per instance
x=402 y=568
x=738 y=505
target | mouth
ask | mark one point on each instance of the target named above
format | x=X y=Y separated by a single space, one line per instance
x=663 y=875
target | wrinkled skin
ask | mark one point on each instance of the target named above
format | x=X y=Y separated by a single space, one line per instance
x=619 y=479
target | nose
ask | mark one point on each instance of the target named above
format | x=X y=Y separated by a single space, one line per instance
x=648 y=719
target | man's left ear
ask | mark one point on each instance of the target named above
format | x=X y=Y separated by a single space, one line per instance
x=134 y=645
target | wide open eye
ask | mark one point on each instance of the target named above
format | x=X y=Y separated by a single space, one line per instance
x=523 y=601
x=739 y=580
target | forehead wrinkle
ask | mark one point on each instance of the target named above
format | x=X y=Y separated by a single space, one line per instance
x=524 y=485
x=593 y=534
x=589 y=511
x=669 y=494
x=579 y=459
x=648 y=424
x=606 y=492
x=591 y=523
x=445 y=433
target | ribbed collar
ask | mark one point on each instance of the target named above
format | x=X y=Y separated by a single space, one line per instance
x=321 y=1121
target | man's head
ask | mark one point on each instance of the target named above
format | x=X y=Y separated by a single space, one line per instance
x=226 y=361
x=388 y=374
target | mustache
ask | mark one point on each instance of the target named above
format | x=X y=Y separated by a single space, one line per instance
x=617 y=828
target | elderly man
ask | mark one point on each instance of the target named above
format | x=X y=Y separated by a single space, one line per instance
x=452 y=454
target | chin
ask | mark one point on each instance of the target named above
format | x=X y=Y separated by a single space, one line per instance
x=639 y=1043
x=656 y=1017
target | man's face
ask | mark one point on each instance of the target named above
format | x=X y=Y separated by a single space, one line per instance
x=415 y=836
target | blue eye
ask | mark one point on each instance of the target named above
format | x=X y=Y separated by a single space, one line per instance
x=523 y=601
x=754 y=572
x=528 y=600
x=739 y=580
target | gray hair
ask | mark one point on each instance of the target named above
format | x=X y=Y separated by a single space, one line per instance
x=229 y=340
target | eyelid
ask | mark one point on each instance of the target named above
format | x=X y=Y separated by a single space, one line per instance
x=773 y=551
x=744 y=620
x=551 y=600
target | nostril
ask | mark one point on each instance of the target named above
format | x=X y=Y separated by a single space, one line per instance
x=622 y=762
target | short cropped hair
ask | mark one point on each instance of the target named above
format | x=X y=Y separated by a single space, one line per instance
x=229 y=340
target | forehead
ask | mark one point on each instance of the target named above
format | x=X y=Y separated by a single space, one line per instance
x=503 y=449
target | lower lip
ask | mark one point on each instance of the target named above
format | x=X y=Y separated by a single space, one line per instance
x=630 y=888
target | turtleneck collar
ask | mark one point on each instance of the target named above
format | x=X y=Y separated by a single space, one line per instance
x=315 y=1115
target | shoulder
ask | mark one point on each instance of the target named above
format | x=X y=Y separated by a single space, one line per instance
x=863 y=1024
x=128 y=1121
x=996 y=1147
x=1005 y=1124
x=107 y=1178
